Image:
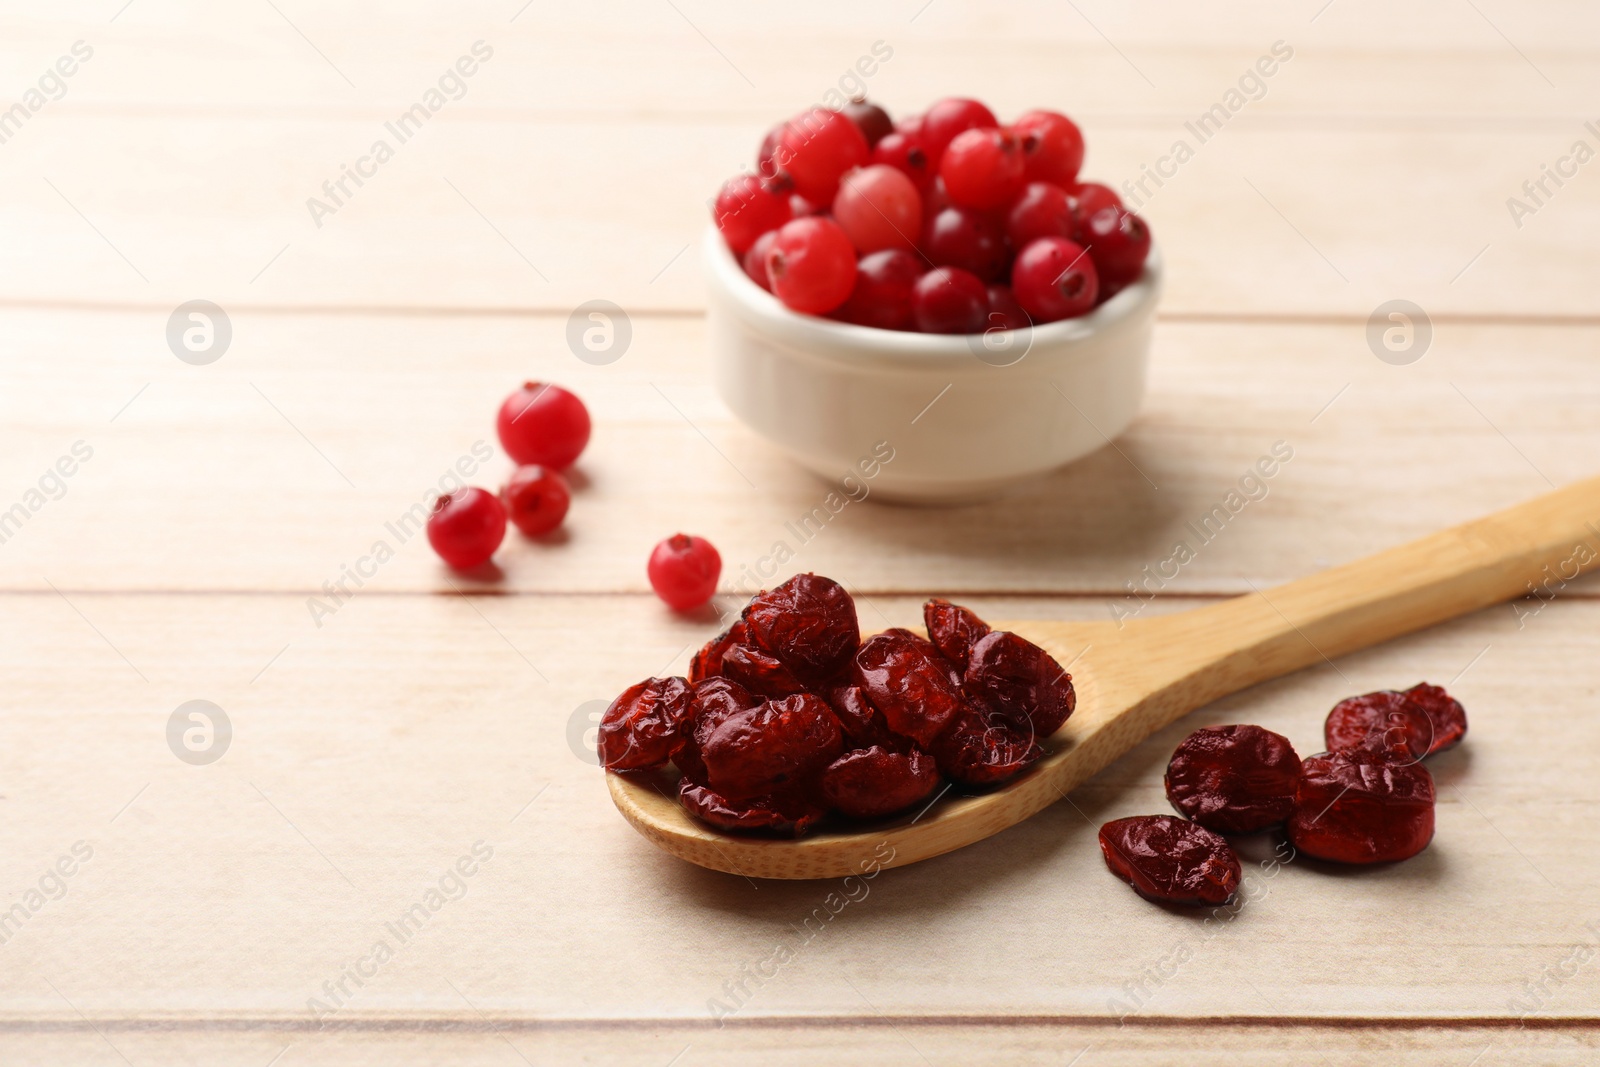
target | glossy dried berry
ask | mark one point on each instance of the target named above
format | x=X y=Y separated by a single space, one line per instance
x=953 y=629
x=1383 y=718
x=712 y=702
x=984 y=747
x=1016 y=676
x=760 y=672
x=862 y=724
x=646 y=725
x=869 y=783
x=808 y=623
x=1234 y=779
x=905 y=679
x=1359 y=806
x=777 y=817
x=780 y=746
x=1446 y=717
x=1170 y=860
x=707 y=663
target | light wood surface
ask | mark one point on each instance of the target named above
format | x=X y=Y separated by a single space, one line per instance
x=371 y=752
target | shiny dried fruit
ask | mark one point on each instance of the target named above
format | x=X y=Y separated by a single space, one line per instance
x=1446 y=717
x=646 y=725
x=1234 y=779
x=779 y=817
x=869 y=783
x=863 y=725
x=808 y=623
x=1170 y=860
x=707 y=663
x=953 y=629
x=1384 y=718
x=1016 y=676
x=905 y=679
x=760 y=672
x=1359 y=806
x=984 y=747
x=780 y=746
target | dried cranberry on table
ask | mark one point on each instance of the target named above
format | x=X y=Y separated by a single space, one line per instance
x=869 y=783
x=1171 y=860
x=1234 y=779
x=1446 y=717
x=1425 y=718
x=646 y=725
x=1361 y=806
x=1013 y=675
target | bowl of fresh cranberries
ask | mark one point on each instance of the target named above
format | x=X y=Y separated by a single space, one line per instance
x=943 y=284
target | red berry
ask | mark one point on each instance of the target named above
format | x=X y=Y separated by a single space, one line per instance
x=775 y=816
x=466 y=527
x=781 y=745
x=984 y=747
x=543 y=424
x=904 y=152
x=1360 y=807
x=1043 y=210
x=818 y=146
x=1054 y=279
x=873 y=122
x=1446 y=717
x=959 y=237
x=1004 y=311
x=755 y=260
x=953 y=629
x=812 y=265
x=948 y=118
x=1015 y=676
x=1171 y=861
x=878 y=207
x=1052 y=144
x=766 y=155
x=683 y=571
x=1089 y=198
x=949 y=300
x=882 y=295
x=905 y=678
x=1118 y=241
x=1234 y=779
x=1384 y=718
x=746 y=208
x=808 y=622
x=647 y=725
x=870 y=783
x=535 y=499
x=983 y=168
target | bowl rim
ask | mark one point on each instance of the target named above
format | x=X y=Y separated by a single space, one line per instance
x=814 y=334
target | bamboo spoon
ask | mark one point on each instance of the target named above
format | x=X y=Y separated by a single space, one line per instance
x=1134 y=679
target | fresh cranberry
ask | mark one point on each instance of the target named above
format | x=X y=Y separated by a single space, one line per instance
x=812 y=265
x=870 y=783
x=535 y=499
x=802 y=207
x=1043 y=210
x=1360 y=806
x=817 y=147
x=983 y=168
x=1004 y=311
x=766 y=156
x=873 y=121
x=1118 y=241
x=646 y=725
x=746 y=208
x=466 y=527
x=949 y=300
x=1054 y=279
x=754 y=260
x=905 y=153
x=1234 y=779
x=882 y=296
x=959 y=237
x=878 y=207
x=543 y=424
x=1052 y=145
x=1090 y=198
x=683 y=571
x=1171 y=861
x=950 y=117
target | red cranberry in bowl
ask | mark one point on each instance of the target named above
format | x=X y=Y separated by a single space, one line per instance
x=878 y=207
x=1043 y=210
x=959 y=237
x=1118 y=241
x=1054 y=278
x=882 y=295
x=816 y=147
x=748 y=207
x=812 y=265
x=873 y=121
x=949 y=300
x=983 y=169
x=1052 y=146
x=947 y=119
x=904 y=152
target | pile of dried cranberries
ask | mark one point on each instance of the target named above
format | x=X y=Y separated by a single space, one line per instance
x=1368 y=799
x=788 y=715
x=944 y=222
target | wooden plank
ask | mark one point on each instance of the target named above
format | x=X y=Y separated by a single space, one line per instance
x=366 y=759
x=233 y=475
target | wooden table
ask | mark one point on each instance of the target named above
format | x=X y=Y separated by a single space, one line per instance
x=376 y=742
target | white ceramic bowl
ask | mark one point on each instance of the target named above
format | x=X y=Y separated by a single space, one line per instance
x=963 y=417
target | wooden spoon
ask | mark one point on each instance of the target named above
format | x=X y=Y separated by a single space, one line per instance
x=1136 y=678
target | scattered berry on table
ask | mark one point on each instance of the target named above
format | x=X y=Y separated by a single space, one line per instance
x=683 y=571
x=544 y=425
x=535 y=499
x=466 y=527
x=1234 y=779
x=1171 y=860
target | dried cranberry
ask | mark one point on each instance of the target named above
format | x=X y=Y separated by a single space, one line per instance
x=760 y=672
x=904 y=678
x=707 y=663
x=862 y=723
x=645 y=725
x=1170 y=860
x=1446 y=717
x=808 y=623
x=953 y=629
x=781 y=817
x=1021 y=679
x=1234 y=779
x=870 y=783
x=781 y=745
x=1359 y=806
x=1383 y=718
x=985 y=747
